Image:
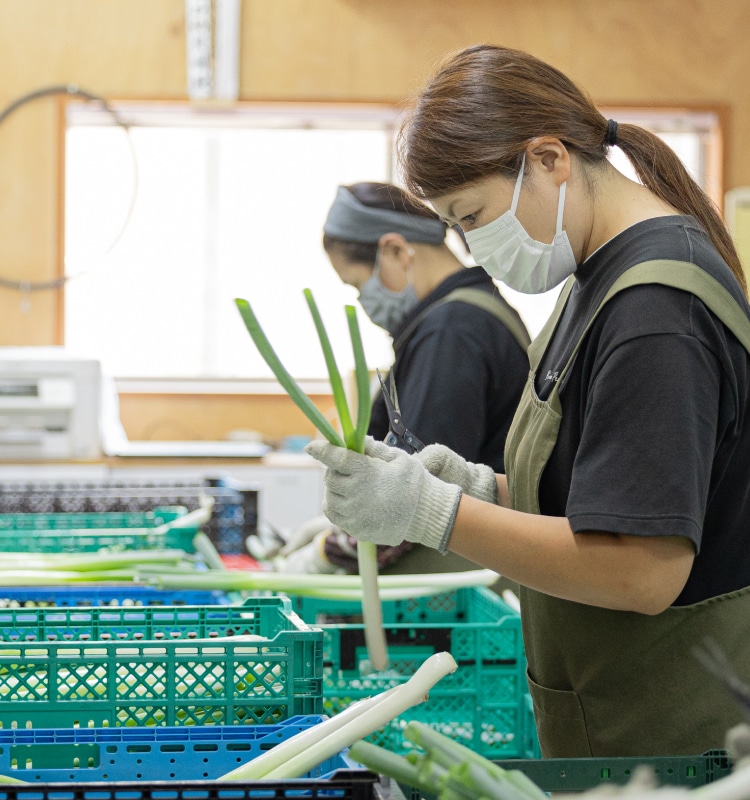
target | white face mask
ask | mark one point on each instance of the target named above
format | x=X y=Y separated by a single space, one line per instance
x=386 y=308
x=509 y=254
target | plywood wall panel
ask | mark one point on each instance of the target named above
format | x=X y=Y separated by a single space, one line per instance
x=626 y=51
x=212 y=417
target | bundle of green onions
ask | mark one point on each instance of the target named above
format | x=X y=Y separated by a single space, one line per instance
x=442 y=767
x=352 y=437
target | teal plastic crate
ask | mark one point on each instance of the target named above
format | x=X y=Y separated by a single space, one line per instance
x=255 y=663
x=91 y=532
x=484 y=704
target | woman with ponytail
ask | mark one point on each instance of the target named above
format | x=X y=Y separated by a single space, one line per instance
x=623 y=511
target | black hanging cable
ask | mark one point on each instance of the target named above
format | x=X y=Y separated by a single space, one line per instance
x=25 y=287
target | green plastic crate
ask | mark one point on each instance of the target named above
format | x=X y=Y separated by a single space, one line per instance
x=91 y=532
x=484 y=704
x=559 y=775
x=255 y=663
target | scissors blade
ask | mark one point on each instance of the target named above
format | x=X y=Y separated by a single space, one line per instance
x=394 y=415
x=398 y=435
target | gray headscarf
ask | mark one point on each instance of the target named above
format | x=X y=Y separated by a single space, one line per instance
x=352 y=221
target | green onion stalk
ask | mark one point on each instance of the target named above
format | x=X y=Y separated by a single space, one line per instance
x=445 y=768
x=352 y=437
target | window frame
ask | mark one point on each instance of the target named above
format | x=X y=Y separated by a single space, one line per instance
x=715 y=126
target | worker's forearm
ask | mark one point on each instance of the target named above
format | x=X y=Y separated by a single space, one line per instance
x=632 y=573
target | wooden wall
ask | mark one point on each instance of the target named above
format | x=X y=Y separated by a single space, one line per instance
x=622 y=51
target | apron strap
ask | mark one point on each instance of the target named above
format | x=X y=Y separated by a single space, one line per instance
x=539 y=345
x=495 y=304
x=682 y=275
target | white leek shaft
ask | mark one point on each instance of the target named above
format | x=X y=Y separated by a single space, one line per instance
x=283 y=752
x=403 y=697
x=372 y=608
x=735 y=786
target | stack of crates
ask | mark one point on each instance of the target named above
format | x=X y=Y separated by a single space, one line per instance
x=126 y=688
x=234 y=516
x=161 y=693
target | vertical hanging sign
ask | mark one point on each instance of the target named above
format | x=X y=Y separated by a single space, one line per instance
x=212 y=39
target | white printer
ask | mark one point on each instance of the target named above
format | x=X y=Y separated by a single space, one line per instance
x=50 y=405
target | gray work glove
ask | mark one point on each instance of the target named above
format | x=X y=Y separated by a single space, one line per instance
x=386 y=496
x=476 y=480
x=309 y=559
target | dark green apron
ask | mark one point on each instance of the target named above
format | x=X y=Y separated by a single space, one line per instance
x=618 y=683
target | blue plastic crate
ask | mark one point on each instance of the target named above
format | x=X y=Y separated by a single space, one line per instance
x=125 y=595
x=146 y=754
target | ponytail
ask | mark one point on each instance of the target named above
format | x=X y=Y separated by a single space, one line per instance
x=661 y=171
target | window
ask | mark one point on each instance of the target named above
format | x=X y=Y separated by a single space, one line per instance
x=227 y=205
x=231 y=204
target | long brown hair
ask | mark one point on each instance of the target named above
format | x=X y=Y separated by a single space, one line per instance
x=486 y=103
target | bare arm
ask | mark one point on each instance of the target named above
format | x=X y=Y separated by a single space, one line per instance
x=626 y=573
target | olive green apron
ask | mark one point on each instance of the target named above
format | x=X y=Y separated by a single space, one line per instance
x=422 y=559
x=618 y=683
x=494 y=304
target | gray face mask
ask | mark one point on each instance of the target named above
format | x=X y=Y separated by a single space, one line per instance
x=386 y=309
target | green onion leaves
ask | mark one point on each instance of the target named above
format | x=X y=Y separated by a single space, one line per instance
x=288 y=383
x=352 y=437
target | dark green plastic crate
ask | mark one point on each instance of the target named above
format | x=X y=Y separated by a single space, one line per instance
x=256 y=663
x=484 y=704
x=582 y=774
x=91 y=532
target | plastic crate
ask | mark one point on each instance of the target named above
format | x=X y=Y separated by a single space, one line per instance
x=234 y=516
x=125 y=595
x=91 y=532
x=484 y=704
x=249 y=664
x=582 y=774
x=156 y=754
x=342 y=784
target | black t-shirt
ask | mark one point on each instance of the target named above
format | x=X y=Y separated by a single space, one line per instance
x=655 y=434
x=459 y=375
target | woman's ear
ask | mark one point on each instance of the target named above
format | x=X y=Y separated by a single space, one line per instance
x=396 y=248
x=550 y=156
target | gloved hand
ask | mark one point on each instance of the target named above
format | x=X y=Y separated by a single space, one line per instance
x=304 y=534
x=309 y=559
x=385 y=495
x=476 y=480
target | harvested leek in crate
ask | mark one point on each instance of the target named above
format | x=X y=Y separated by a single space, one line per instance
x=257 y=663
x=353 y=437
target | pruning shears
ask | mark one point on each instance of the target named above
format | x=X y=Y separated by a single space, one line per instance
x=398 y=434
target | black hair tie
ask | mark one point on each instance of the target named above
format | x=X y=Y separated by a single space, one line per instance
x=611 y=139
